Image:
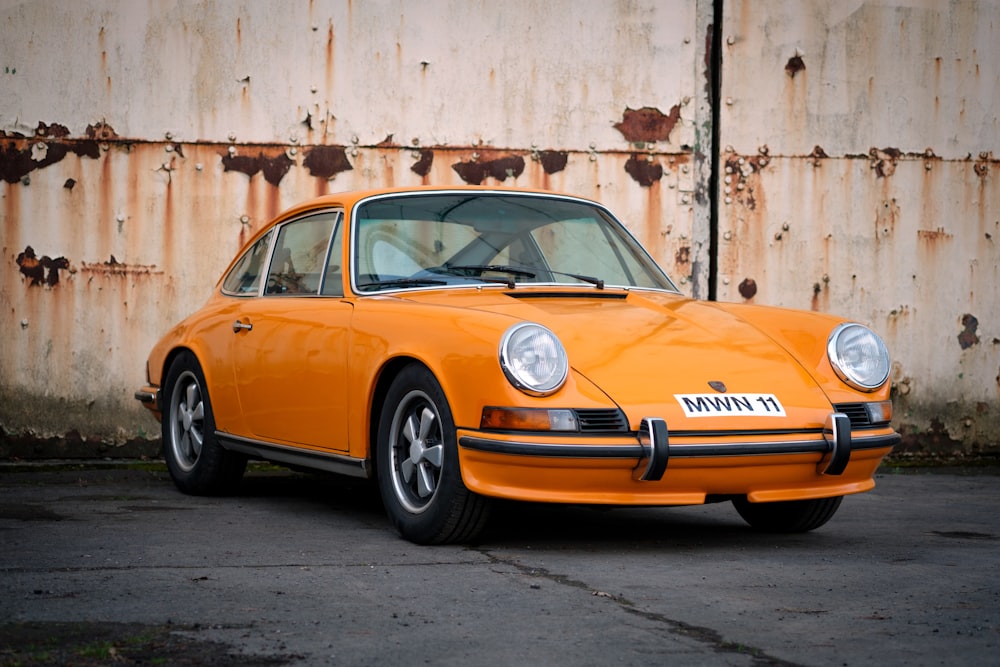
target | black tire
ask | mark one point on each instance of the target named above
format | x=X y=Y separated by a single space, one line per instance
x=793 y=516
x=197 y=462
x=417 y=458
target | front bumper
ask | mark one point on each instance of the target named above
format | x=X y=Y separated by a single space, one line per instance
x=149 y=396
x=653 y=467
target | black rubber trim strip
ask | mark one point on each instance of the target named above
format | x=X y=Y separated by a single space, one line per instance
x=677 y=450
x=306 y=458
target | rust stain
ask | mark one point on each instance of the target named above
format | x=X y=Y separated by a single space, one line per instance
x=114 y=267
x=648 y=124
x=884 y=161
x=274 y=166
x=982 y=166
x=738 y=172
x=683 y=255
x=501 y=167
x=642 y=170
x=21 y=155
x=553 y=161
x=41 y=270
x=795 y=65
x=101 y=132
x=53 y=131
x=885 y=219
x=327 y=161
x=422 y=166
x=933 y=234
x=968 y=337
x=748 y=288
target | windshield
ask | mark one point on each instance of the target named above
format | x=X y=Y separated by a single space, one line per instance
x=462 y=238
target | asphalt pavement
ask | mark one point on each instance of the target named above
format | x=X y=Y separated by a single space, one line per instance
x=111 y=565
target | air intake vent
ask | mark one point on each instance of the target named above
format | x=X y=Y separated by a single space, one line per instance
x=856 y=412
x=602 y=421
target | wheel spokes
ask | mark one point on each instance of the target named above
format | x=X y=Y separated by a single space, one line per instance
x=190 y=416
x=421 y=453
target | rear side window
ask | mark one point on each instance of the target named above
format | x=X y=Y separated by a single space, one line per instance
x=244 y=277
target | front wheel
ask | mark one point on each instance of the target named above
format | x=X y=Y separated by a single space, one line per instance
x=793 y=516
x=197 y=462
x=418 y=471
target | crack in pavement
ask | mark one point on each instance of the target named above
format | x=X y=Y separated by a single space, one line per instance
x=706 y=636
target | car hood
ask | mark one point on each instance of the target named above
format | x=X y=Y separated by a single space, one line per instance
x=644 y=348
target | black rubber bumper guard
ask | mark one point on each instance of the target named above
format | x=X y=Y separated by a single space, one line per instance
x=655 y=441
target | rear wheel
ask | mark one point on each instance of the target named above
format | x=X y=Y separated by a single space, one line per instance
x=418 y=472
x=793 y=516
x=197 y=462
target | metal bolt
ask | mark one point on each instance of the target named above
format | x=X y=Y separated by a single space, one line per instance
x=24 y=324
x=785 y=226
x=169 y=148
x=245 y=219
x=232 y=150
x=169 y=136
x=729 y=101
x=199 y=166
x=120 y=218
x=730 y=40
x=728 y=236
x=232 y=136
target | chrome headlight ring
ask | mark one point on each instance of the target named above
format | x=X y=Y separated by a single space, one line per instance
x=533 y=359
x=858 y=356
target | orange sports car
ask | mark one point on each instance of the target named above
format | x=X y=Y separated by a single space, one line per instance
x=464 y=344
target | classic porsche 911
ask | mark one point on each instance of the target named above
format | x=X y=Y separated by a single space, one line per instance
x=464 y=344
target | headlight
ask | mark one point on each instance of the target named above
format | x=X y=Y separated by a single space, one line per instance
x=859 y=356
x=533 y=359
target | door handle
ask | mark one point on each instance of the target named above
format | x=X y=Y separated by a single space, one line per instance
x=238 y=326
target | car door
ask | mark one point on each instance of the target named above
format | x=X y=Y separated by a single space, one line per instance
x=291 y=342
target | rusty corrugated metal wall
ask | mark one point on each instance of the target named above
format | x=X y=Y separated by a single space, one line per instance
x=854 y=171
x=858 y=145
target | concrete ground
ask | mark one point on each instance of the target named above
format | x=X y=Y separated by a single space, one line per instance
x=109 y=564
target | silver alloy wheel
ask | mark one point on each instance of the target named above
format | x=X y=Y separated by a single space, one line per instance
x=187 y=421
x=417 y=452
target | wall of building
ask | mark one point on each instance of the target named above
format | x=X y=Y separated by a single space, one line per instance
x=143 y=142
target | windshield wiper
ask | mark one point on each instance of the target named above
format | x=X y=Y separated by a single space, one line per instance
x=403 y=282
x=474 y=270
x=596 y=282
x=477 y=270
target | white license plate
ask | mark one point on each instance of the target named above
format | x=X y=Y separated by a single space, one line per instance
x=730 y=405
